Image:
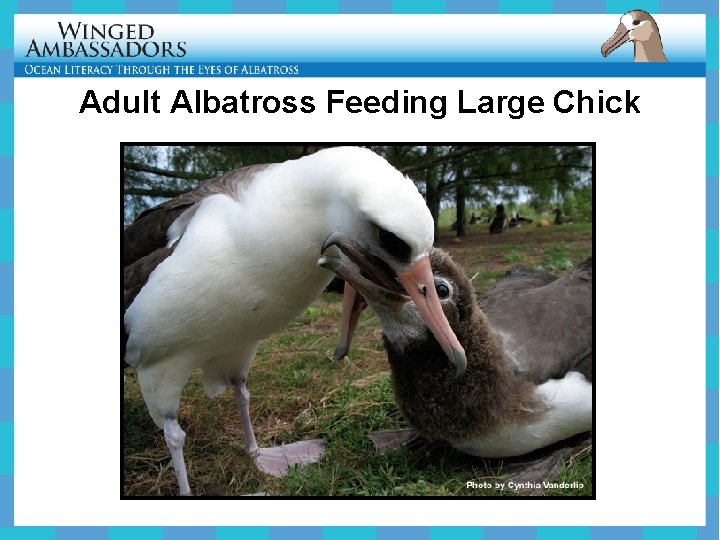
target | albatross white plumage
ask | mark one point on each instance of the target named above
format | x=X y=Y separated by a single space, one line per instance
x=239 y=262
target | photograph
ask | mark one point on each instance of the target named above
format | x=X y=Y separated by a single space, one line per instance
x=357 y=321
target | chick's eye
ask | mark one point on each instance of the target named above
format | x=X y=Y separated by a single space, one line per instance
x=635 y=23
x=442 y=288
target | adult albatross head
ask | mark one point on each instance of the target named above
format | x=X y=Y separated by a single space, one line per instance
x=387 y=259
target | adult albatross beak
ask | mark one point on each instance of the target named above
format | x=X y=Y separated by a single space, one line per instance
x=621 y=35
x=353 y=306
x=374 y=278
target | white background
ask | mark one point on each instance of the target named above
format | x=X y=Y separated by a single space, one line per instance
x=650 y=261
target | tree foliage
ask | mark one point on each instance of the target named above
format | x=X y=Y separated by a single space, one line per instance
x=544 y=175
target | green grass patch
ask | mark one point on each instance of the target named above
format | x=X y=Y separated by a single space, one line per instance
x=514 y=257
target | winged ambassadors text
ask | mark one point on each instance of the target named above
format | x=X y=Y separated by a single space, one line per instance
x=82 y=40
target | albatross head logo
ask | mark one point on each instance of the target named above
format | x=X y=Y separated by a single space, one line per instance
x=639 y=27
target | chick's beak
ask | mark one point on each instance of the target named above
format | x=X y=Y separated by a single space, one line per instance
x=419 y=283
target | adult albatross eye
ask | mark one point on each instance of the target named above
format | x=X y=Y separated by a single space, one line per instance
x=394 y=245
x=442 y=288
x=636 y=22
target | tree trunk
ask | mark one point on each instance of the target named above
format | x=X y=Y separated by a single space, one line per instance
x=432 y=194
x=460 y=194
x=433 y=203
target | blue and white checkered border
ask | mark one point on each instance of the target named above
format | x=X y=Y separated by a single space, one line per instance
x=7 y=529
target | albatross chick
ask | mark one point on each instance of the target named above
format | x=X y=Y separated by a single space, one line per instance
x=528 y=381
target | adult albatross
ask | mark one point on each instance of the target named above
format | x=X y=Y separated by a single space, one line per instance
x=212 y=272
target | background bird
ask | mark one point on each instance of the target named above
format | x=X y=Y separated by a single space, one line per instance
x=212 y=272
x=528 y=381
x=499 y=221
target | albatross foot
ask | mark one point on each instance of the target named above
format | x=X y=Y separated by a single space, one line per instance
x=277 y=460
x=391 y=439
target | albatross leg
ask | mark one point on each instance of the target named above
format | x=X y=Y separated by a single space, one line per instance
x=161 y=384
x=274 y=461
x=175 y=439
x=242 y=398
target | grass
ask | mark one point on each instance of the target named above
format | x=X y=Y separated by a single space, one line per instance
x=299 y=392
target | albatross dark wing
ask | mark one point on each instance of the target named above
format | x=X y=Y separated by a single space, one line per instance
x=149 y=230
x=544 y=322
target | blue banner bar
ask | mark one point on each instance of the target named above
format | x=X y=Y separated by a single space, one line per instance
x=349 y=69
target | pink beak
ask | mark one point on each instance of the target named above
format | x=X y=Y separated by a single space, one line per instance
x=419 y=283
